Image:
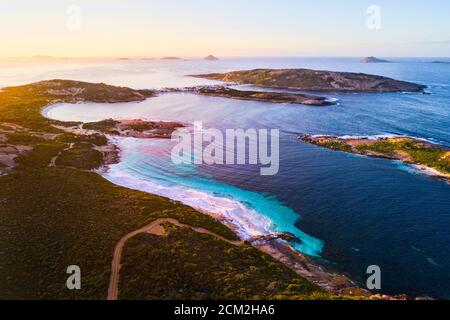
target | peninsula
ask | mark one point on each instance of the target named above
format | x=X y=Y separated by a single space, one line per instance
x=263 y=96
x=432 y=158
x=313 y=80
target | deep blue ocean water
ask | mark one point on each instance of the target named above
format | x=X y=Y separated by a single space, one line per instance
x=352 y=211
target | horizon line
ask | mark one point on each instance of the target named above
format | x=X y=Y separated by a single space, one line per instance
x=160 y=57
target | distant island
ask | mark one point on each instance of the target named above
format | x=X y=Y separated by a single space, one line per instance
x=171 y=58
x=441 y=62
x=373 y=60
x=40 y=56
x=211 y=58
x=135 y=128
x=431 y=158
x=44 y=57
x=314 y=80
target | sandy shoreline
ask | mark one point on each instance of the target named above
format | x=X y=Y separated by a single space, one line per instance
x=272 y=244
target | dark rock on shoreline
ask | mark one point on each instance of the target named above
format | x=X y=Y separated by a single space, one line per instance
x=286 y=236
x=313 y=80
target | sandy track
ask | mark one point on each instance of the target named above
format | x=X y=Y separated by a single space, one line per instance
x=154 y=228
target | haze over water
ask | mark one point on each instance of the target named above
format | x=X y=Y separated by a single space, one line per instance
x=350 y=210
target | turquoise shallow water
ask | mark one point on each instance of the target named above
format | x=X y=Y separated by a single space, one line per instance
x=140 y=162
x=356 y=211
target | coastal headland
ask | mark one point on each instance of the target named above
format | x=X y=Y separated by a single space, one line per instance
x=58 y=211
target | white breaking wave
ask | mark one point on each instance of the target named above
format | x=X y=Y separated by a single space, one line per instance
x=248 y=222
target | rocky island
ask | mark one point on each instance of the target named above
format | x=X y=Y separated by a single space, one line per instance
x=432 y=158
x=313 y=80
x=440 y=62
x=373 y=60
x=210 y=58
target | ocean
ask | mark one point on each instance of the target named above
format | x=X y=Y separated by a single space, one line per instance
x=349 y=211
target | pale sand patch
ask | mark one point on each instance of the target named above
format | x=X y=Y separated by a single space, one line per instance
x=157 y=230
x=446 y=156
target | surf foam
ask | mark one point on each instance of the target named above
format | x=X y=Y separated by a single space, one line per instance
x=251 y=213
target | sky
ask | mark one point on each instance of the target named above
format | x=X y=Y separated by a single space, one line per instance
x=190 y=28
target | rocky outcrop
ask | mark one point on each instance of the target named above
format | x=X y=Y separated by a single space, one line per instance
x=313 y=80
x=440 y=62
x=264 y=96
x=134 y=128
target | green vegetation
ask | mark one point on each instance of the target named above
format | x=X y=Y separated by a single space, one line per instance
x=80 y=156
x=136 y=128
x=169 y=267
x=23 y=139
x=335 y=145
x=382 y=147
x=141 y=126
x=103 y=126
x=431 y=158
x=55 y=213
x=406 y=149
x=39 y=157
x=56 y=217
x=417 y=151
x=74 y=91
x=94 y=139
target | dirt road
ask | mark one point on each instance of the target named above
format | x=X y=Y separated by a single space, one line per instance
x=155 y=228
